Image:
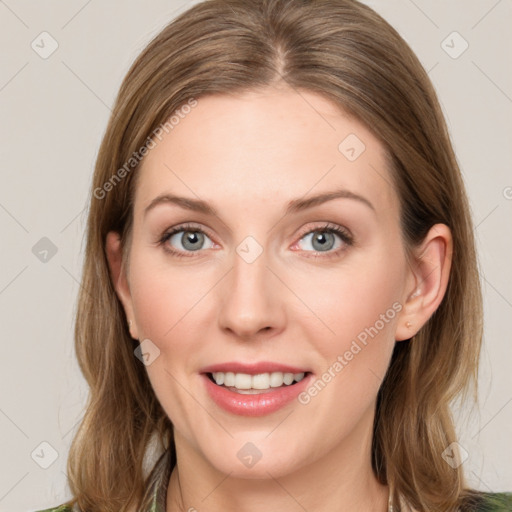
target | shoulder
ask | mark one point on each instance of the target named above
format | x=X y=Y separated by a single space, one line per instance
x=501 y=501
x=490 y=502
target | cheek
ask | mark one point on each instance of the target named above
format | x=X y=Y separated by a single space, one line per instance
x=167 y=304
x=355 y=339
x=166 y=301
x=363 y=319
x=354 y=302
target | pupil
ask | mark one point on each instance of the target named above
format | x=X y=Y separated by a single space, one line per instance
x=322 y=239
x=192 y=238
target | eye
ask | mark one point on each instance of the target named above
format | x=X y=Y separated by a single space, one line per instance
x=185 y=239
x=329 y=238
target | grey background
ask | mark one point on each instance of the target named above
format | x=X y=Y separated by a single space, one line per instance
x=54 y=111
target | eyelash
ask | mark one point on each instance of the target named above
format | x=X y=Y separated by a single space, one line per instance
x=344 y=234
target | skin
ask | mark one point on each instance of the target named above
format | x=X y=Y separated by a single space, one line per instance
x=248 y=155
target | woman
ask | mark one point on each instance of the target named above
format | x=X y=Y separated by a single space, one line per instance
x=280 y=296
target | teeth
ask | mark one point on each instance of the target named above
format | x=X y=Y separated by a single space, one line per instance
x=245 y=381
x=229 y=379
x=288 y=378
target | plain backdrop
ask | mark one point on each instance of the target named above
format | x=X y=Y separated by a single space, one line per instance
x=54 y=109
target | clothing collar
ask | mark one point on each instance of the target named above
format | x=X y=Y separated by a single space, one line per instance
x=155 y=497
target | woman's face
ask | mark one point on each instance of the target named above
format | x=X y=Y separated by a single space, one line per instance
x=256 y=280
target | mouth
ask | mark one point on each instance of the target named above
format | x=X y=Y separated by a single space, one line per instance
x=254 y=389
x=247 y=384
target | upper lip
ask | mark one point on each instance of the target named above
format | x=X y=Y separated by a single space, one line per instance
x=252 y=368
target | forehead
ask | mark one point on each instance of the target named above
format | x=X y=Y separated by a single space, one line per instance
x=259 y=147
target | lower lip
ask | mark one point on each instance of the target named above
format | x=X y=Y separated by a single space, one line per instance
x=254 y=404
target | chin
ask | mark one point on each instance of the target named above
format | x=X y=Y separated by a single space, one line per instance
x=247 y=461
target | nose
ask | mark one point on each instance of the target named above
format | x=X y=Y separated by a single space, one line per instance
x=251 y=300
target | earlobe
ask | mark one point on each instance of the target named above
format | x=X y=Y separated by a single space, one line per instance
x=429 y=277
x=114 y=252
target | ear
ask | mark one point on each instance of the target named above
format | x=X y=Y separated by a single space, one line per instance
x=119 y=278
x=427 y=281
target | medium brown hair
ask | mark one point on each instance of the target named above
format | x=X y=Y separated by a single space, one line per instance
x=347 y=53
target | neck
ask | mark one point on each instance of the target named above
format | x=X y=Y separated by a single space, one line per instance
x=339 y=481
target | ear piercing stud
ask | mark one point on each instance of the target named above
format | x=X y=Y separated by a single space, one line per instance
x=408 y=325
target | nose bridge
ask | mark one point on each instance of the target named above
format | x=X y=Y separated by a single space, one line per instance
x=250 y=299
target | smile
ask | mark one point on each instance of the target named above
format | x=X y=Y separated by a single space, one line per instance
x=254 y=390
x=252 y=384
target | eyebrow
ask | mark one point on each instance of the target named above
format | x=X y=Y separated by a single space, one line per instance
x=294 y=206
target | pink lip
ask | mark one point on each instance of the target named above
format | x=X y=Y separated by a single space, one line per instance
x=252 y=368
x=255 y=404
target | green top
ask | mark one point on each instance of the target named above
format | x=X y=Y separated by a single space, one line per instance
x=156 y=494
